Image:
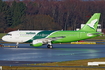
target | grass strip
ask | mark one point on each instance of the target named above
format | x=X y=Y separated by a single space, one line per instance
x=65 y=65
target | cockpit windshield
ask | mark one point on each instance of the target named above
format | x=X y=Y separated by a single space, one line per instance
x=9 y=34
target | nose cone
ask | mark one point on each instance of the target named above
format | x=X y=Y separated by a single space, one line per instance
x=4 y=38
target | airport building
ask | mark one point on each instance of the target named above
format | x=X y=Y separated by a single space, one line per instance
x=99 y=29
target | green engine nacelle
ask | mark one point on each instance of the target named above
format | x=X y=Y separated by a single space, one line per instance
x=36 y=45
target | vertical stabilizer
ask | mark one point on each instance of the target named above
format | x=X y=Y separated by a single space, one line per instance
x=92 y=23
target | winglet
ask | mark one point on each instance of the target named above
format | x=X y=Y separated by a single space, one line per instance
x=91 y=25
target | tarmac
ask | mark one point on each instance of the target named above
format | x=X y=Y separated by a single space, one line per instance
x=26 y=54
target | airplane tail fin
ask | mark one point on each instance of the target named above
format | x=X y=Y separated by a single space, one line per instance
x=92 y=23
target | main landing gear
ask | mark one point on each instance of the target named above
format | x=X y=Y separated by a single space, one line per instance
x=49 y=46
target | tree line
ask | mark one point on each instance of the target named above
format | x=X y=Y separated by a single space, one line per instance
x=48 y=14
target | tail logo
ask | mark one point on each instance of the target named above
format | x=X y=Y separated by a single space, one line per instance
x=92 y=23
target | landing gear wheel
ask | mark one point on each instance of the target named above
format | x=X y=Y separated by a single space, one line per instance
x=17 y=45
x=49 y=46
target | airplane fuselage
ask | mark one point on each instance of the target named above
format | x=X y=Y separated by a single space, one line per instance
x=29 y=36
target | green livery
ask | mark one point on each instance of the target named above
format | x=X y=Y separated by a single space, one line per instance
x=38 y=38
x=88 y=31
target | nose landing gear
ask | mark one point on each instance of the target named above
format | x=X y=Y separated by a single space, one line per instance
x=17 y=45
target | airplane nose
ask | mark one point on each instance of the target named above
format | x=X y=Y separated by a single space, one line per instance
x=4 y=38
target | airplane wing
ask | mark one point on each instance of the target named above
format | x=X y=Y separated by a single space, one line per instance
x=46 y=40
x=55 y=38
x=40 y=42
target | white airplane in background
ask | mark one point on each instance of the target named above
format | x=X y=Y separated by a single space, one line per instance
x=41 y=37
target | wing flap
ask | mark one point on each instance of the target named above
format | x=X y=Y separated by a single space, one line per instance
x=55 y=38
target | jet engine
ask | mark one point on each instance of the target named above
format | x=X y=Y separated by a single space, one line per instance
x=36 y=43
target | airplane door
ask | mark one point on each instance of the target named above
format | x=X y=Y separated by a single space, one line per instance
x=17 y=36
x=80 y=35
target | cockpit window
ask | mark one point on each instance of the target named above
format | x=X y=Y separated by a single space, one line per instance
x=9 y=34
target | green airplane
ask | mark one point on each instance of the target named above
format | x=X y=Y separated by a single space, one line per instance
x=38 y=38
